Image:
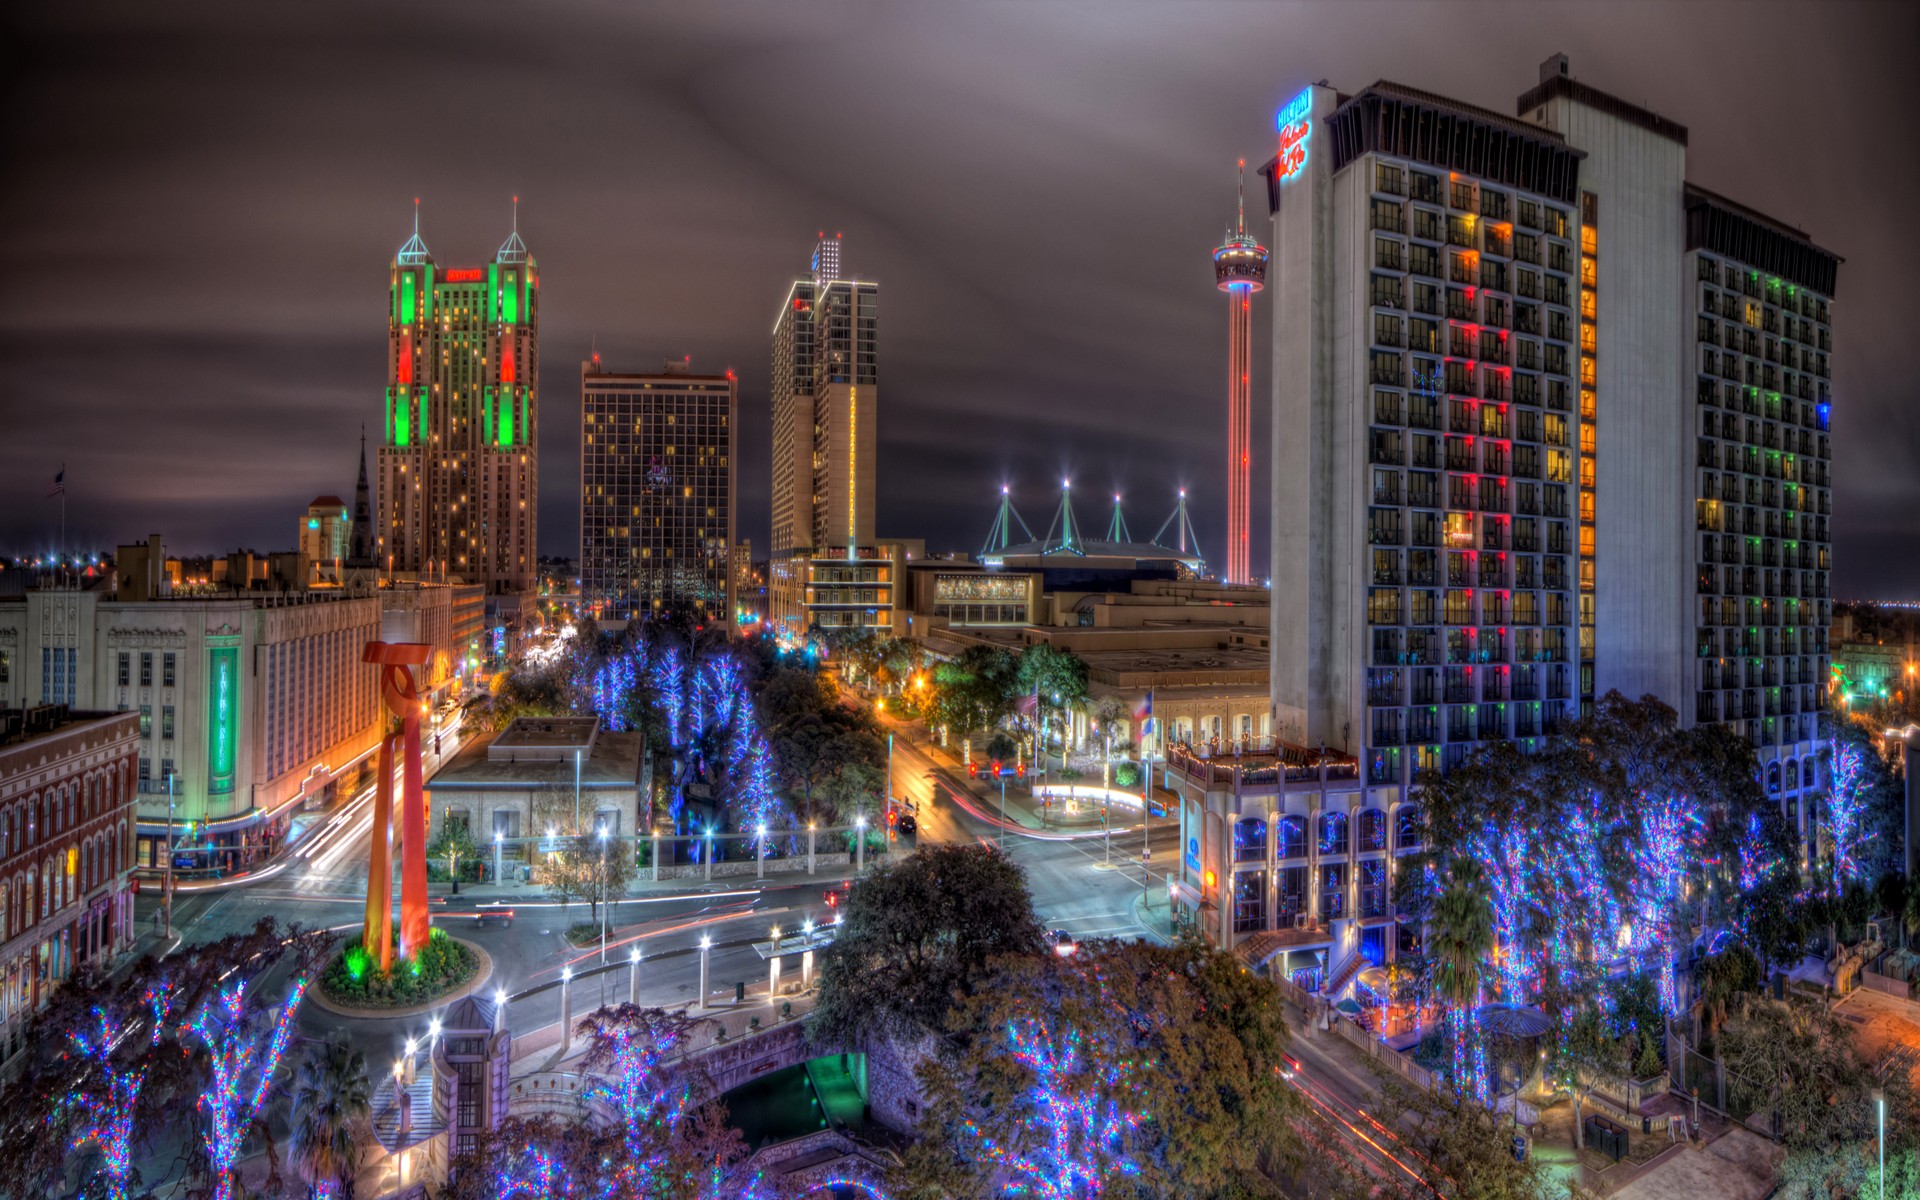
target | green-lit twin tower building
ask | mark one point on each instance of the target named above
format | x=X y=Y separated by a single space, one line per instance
x=459 y=464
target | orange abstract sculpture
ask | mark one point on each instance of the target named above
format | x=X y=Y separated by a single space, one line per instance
x=402 y=698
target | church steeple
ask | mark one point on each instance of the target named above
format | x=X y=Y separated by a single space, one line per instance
x=360 y=540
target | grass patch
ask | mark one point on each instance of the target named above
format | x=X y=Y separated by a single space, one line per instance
x=443 y=964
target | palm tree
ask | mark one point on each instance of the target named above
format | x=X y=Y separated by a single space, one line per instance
x=1459 y=942
x=332 y=1103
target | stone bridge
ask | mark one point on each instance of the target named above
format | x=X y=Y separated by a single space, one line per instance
x=820 y=1161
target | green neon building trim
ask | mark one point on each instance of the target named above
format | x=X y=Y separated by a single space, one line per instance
x=493 y=293
x=397 y=423
x=223 y=717
x=426 y=292
x=506 y=420
x=406 y=297
x=510 y=300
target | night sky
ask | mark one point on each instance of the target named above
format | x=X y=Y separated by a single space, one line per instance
x=201 y=201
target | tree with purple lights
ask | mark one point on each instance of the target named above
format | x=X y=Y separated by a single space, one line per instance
x=244 y=1048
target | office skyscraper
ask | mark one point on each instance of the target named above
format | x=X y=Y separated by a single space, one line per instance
x=657 y=491
x=826 y=378
x=459 y=468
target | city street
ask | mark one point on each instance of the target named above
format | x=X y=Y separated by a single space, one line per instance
x=323 y=883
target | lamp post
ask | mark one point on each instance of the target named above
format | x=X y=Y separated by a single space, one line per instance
x=166 y=899
x=706 y=947
x=1000 y=835
x=760 y=851
x=633 y=977
x=603 y=894
x=566 y=1008
x=1106 y=791
x=576 y=791
x=1880 y=1110
x=859 y=845
x=498 y=845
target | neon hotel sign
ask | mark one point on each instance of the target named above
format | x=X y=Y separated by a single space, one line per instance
x=1295 y=124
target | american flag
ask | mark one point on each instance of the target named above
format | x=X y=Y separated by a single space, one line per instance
x=59 y=485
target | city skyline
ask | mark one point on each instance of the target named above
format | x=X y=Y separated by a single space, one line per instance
x=998 y=388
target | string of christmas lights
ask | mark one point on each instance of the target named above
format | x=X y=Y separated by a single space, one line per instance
x=1846 y=811
x=1077 y=1130
x=106 y=1114
x=243 y=1067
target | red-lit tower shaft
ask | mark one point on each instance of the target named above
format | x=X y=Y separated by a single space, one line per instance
x=1240 y=270
x=1239 y=432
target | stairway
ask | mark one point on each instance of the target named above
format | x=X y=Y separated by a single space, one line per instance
x=1338 y=981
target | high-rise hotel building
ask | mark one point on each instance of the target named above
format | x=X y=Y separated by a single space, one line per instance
x=1549 y=421
x=826 y=569
x=459 y=466
x=657 y=491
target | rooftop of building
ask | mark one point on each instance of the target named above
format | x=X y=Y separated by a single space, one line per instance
x=19 y=726
x=672 y=373
x=1052 y=553
x=539 y=753
x=1756 y=240
x=326 y=502
x=1400 y=91
x=1555 y=86
x=1695 y=192
x=544 y=738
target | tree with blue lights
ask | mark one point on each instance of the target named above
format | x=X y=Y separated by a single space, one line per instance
x=108 y=1068
x=648 y=1133
x=1125 y=1070
x=1460 y=938
x=104 y=1105
x=243 y=1047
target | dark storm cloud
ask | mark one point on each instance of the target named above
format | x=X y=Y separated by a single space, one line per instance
x=202 y=200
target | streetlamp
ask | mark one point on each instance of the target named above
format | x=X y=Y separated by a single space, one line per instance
x=576 y=791
x=1000 y=835
x=603 y=893
x=166 y=900
x=1880 y=1110
x=1106 y=792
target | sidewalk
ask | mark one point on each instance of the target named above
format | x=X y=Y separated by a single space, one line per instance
x=829 y=869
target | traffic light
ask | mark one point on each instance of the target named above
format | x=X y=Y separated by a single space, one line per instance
x=893 y=816
x=996 y=768
x=1021 y=771
x=973 y=769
